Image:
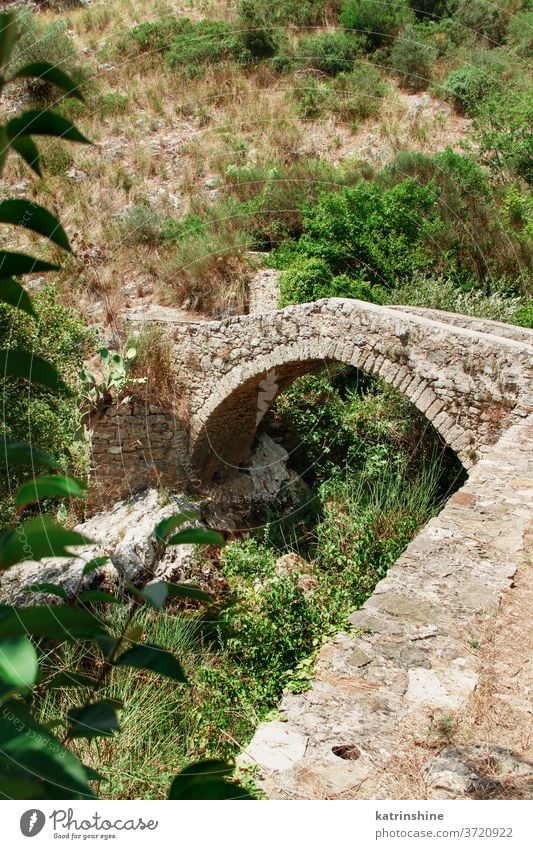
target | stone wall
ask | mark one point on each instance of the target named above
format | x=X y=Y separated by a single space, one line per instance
x=471 y=385
x=411 y=655
x=133 y=446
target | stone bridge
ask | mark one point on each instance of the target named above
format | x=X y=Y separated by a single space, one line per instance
x=471 y=378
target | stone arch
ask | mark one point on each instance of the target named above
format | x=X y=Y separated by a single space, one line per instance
x=223 y=431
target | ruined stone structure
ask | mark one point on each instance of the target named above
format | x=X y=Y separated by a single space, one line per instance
x=470 y=377
x=471 y=385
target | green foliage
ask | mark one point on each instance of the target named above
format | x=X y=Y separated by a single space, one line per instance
x=523 y=316
x=468 y=86
x=140 y=225
x=503 y=130
x=353 y=96
x=520 y=33
x=310 y=278
x=369 y=234
x=485 y=20
x=50 y=43
x=433 y=9
x=299 y=12
x=412 y=57
x=379 y=22
x=98 y=392
x=470 y=240
x=328 y=52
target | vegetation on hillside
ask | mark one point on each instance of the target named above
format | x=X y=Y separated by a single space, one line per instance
x=368 y=150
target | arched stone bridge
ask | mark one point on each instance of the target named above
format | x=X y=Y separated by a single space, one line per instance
x=471 y=378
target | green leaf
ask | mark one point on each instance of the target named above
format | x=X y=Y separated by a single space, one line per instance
x=166 y=526
x=29 y=751
x=107 y=645
x=196 y=536
x=158 y=593
x=70 y=679
x=52 y=622
x=24 y=213
x=40 y=122
x=20 y=788
x=206 y=780
x=15 y=362
x=94 y=564
x=17 y=264
x=20 y=454
x=18 y=662
x=96 y=720
x=15 y=295
x=37 y=538
x=51 y=589
x=52 y=74
x=27 y=149
x=99 y=595
x=8 y=36
x=154 y=658
x=48 y=486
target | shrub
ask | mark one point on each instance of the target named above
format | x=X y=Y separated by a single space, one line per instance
x=520 y=33
x=411 y=58
x=258 y=37
x=523 y=316
x=357 y=95
x=503 y=130
x=468 y=86
x=328 y=52
x=205 y=43
x=433 y=9
x=372 y=235
x=312 y=97
x=114 y=103
x=379 y=22
x=310 y=279
x=48 y=42
x=484 y=19
x=140 y=225
x=300 y=12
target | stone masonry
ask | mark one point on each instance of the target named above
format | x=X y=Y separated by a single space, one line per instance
x=470 y=384
x=408 y=657
x=135 y=446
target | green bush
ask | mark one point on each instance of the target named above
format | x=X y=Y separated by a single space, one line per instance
x=310 y=279
x=470 y=240
x=520 y=33
x=412 y=57
x=140 y=225
x=486 y=20
x=299 y=12
x=523 y=316
x=259 y=38
x=503 y=130
x=433 y=9
x=379 y=22
x=328 y=52
x=357 y=95
x=370 y=234
x=49 y=42
x=468 y=86
x=206 y=43
x=42 y=417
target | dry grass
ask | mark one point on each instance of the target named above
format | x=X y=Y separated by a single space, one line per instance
x=161 y=140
